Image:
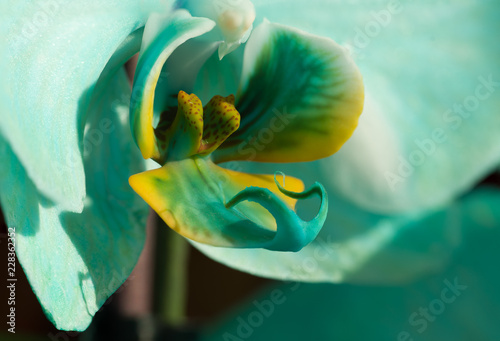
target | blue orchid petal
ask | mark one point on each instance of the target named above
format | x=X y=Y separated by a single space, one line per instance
x=430 y=128
x=162 y=35
x=75 y=261
x=459 y=303
x=54 y=53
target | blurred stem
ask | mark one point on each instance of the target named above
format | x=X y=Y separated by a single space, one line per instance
x=172 y=253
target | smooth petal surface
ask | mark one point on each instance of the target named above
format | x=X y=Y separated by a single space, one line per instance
x=219 y=77
x=458 y=304
x=54 y=53
x=359 y=246
x=430 y=128
x=162 y=35
x=300 y=98
x=216 y=206
x=75 y=261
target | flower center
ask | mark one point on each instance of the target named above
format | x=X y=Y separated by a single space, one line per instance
x=193 y=129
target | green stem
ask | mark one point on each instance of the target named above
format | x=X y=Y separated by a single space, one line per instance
x=172 y=253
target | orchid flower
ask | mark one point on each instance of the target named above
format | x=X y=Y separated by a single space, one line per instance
x=68 y=150
x=386 y=214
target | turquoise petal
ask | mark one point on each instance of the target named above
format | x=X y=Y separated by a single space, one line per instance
x=430 y=128
x=54 y=53
x=75 y=261
x=458 y=304
x=356 y=245
x=162 y=35
x=300 y=98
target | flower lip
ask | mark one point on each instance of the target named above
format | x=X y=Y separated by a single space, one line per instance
x=216 y=206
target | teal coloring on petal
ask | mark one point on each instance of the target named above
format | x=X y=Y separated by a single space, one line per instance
x=75 y=261
x=180 y=27
x=292 y=232
x=304 y=89
x=49 y=74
